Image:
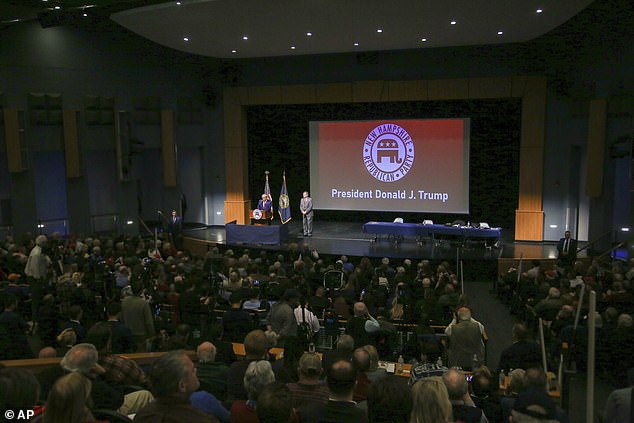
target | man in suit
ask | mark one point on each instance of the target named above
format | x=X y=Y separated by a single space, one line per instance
x=306 y=207
x=175 y=228
x=264 y=204
x=567 y=248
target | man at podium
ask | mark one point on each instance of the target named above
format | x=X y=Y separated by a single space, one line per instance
x=264 y=212
x=264 y=204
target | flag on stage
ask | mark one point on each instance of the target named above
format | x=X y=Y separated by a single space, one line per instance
x=285 y=205
x=267 y=192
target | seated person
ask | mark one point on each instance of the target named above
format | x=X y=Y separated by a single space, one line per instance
x=174 y=380
x=256 y=377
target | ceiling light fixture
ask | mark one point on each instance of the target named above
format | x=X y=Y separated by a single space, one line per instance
x=500 y=32
x=85 y=15
x=185 y=39
x=244 y=37
x=292 y=47
x=424 y=40
x=380 y=30
x=356 y=44
x=234 y=51
x=309 y=34
x=57 y=7
x=539 y=10
x=453 y=22
x=178 y=3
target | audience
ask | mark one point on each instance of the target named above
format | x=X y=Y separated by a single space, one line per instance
x=462 y=405
x=341 y=377
x=406 y=288
x=173 y=378
x=430 y=402
x=275 y=405
x=309 y=389
x=211 y=374
x=69 y=400
x=256 y=377
x=389 y=401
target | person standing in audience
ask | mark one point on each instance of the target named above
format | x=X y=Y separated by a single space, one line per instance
x=36 y=270
x=464 y=341
x=362 y=327
x=174 y=379
x=375 y=372
x=430 y=402
x=282 y=317
x=306 y=207
x=136 y=314
x=340 y=378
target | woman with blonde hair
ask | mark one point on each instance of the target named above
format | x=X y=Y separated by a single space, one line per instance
x=68 y=400
x=430 y=401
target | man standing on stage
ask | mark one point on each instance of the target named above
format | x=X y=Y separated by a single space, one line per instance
x=175 y=229
x=306 y=207
x=567 y=248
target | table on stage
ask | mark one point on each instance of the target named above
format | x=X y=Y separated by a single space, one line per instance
x=397 y=231
x=256 y=234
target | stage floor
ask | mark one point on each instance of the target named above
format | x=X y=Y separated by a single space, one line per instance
x=347 y=238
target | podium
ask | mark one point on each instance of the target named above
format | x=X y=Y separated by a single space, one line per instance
x=260 y=217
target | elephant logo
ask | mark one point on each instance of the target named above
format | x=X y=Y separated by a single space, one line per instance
x=388 y=152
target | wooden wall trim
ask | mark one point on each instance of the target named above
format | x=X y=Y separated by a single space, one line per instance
x=12 y=140
x=168 y=149
x=597 y=122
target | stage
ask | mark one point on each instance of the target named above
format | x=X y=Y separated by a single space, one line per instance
x=337 y=238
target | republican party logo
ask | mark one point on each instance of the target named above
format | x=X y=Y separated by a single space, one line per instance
x=388 y=152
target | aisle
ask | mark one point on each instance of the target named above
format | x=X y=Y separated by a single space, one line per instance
x=495 y=317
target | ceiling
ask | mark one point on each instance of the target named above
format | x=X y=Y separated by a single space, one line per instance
x=218 y=28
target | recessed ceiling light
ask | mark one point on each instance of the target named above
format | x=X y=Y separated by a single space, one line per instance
x=380 y=30
x=57 y=8
x=356 y=44
x=178 y=3
x=234 y=51
x=292 y=47
x=539 y=10
x=453 y=22
x=244 y=37
x=185 y=39
x=309 y=34
x=424 y=40
x=84 y=14
x=500 y=32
